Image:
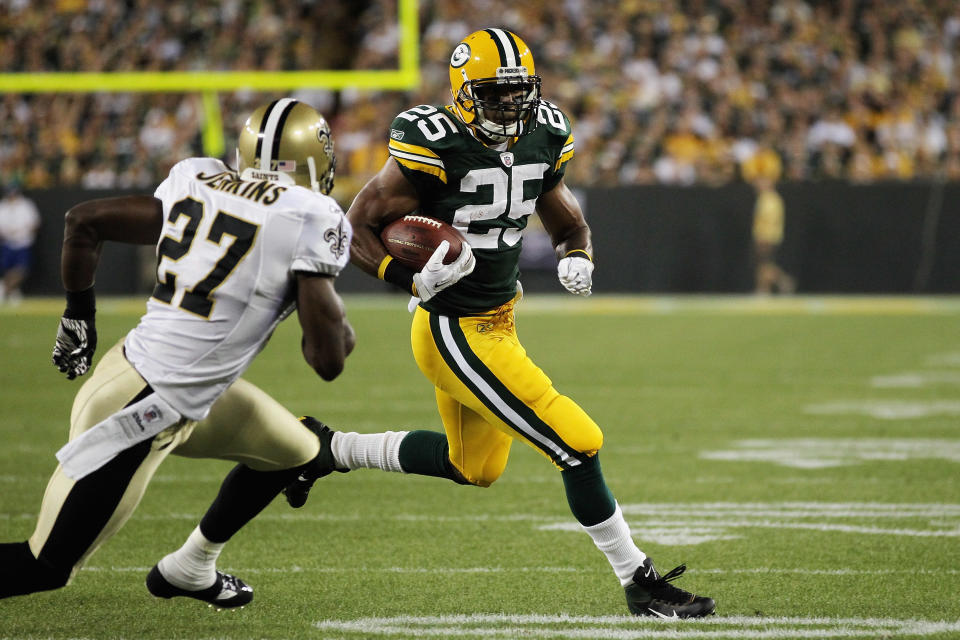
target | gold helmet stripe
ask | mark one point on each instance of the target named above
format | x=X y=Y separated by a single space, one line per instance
x=271 y=132
x=506 y=46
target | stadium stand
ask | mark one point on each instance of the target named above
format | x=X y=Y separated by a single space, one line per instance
x=666 y=91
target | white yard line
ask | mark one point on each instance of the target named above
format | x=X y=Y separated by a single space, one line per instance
x=533 y=570
x=915 y=379
x=887 y=409
x=629 y=628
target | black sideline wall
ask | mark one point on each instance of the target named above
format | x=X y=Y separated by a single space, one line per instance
x=840 y=238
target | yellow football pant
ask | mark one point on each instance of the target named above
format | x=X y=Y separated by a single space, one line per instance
x=490 y=392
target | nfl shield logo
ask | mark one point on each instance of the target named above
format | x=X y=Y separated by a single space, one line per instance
x=507 y=159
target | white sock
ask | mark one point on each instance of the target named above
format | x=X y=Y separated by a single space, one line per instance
x=194 y=565
x=612 y=536
x=368 y=450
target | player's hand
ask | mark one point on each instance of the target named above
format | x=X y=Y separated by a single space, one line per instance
x=576 y=274
x=76 y=342
x=436 y=276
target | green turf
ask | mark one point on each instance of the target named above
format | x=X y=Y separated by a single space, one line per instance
x=681 y=389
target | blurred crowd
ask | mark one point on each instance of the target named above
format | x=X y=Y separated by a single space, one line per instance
x=659 y=91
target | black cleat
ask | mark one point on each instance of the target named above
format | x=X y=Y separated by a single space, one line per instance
x=297 y=491
x=228 y=592
x=652 y=595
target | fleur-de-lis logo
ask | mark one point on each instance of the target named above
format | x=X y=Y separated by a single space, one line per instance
x=337 y=239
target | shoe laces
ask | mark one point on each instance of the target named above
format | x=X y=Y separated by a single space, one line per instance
x=661 y=589
x=231 y=583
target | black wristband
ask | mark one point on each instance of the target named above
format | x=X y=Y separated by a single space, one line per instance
x=396 y=273
x=81 y=304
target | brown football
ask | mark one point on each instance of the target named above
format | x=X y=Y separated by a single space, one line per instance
x=411 y=240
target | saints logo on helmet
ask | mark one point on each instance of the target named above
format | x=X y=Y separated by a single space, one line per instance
x=496 y=91
x=288 y=141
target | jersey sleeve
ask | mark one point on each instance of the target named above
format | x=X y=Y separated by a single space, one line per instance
x=562 y=137
x=162 y=192
x=420 y=159
x=324 y=243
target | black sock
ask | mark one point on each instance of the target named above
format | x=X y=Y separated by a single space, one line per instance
x=587 y=494
x=243 y=494
x=427 y=453
x=21 y=573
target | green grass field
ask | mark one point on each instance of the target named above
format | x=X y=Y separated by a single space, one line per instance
x=802 y=456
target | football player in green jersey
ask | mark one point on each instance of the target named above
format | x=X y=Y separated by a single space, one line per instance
x=484 y=164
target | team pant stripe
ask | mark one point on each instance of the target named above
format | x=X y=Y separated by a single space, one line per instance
x=495 y=396
x=268 y=142
x=91 y=502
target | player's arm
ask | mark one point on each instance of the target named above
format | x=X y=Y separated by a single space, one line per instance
x=386 y=197
x=127 y=219
x=328 y=337
x=563 y=219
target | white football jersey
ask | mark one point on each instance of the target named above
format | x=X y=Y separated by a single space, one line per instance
x=227 y=258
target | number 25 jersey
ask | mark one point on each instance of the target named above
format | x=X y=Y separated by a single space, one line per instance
x=226 y=264
x=486 y=193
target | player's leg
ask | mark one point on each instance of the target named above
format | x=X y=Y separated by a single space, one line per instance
x=470 y=451
x=77 y=516
x=429 y=453
x=272 y=448
x=496 y=379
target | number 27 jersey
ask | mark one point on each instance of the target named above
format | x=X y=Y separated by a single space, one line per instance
x=226 y=263
x=486 y=193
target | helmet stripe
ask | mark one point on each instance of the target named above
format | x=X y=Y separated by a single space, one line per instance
x=271 y=131
x=263 y=127
x=512 y=39
x=509 y=54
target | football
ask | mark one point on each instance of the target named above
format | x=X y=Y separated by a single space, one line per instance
x=411 y=240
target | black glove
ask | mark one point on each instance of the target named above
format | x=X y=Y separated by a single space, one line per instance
x=77 y=334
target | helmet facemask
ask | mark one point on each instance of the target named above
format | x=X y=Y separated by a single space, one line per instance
x=503 y=107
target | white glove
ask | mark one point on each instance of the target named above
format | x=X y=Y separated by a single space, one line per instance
x=576 y=274
x=436 y=276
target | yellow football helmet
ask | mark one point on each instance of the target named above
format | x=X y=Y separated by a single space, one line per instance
x=288 y=141
x=496 y=91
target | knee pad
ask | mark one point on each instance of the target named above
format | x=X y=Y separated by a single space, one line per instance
x=483 y=470
x=573 y=425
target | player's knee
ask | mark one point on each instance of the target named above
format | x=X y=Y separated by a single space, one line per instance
x=483 y=472
x=575 y=427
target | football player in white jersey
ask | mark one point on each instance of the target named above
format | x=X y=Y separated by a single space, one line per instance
x=237 y=252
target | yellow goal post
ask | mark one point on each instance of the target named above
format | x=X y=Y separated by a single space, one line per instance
x=208 y=83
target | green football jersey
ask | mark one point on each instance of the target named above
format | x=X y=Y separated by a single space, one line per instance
x=486 y=194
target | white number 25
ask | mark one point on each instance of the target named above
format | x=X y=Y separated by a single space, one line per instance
x=512 y=204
